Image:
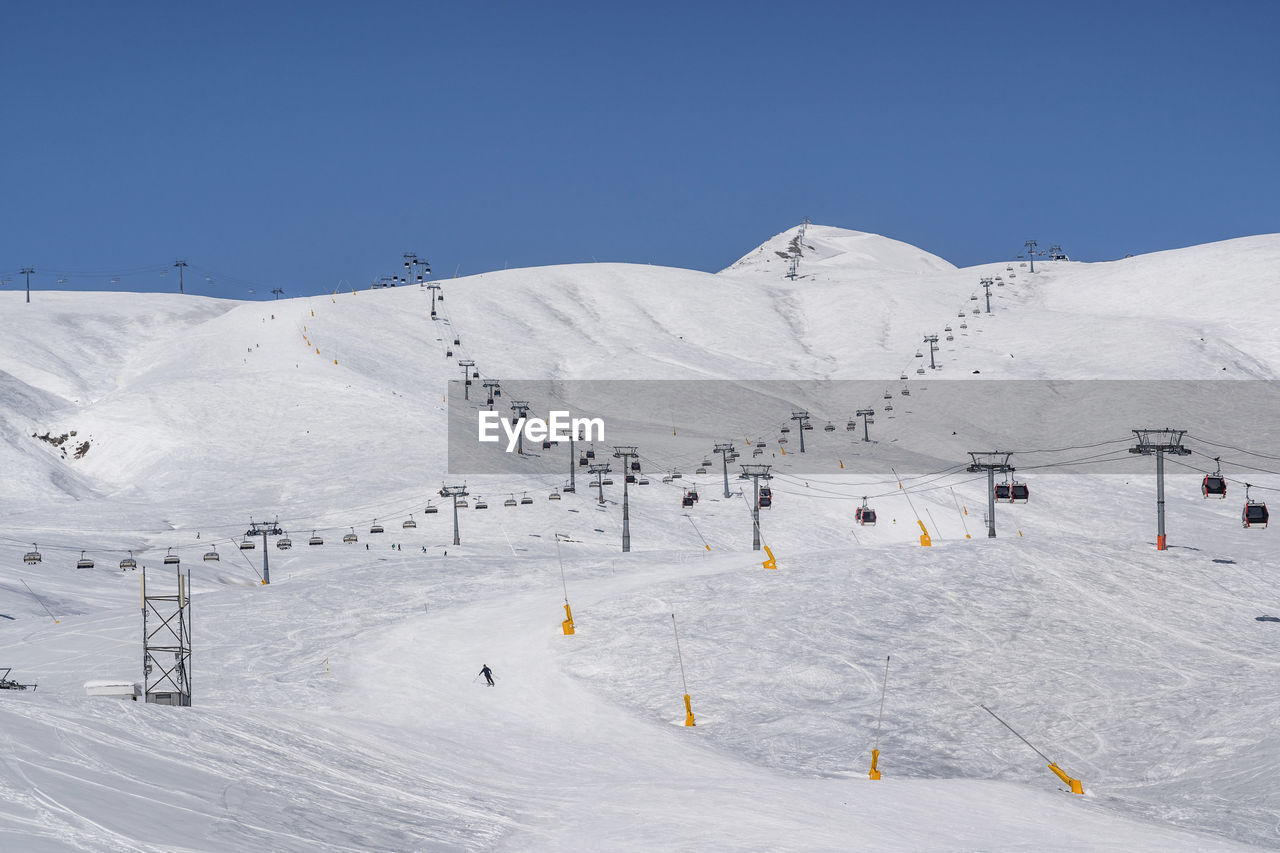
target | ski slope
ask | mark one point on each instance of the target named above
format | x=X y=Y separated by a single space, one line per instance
x=337 y=709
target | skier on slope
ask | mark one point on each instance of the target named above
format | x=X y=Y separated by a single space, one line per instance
x=488 y=674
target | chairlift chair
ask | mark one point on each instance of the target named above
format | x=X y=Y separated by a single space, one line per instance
x=408 y=524
x=676 y=475
x=546 y=445
x=429 y=509
x=375 y=527
x=463 y=504
x=851 y=426
x=448 y=353
x=315 y=540
x=950 y=336
x=212 y=556
x=457 y=342
x=920 y=371
x=667 y=478
x=700 y=470
x=553 y=496
x=963 y=326
x=643 y=481
x=32 y=556
x=1254 y=513
x=888 y=407
x=481 y=504
x=247 y=544
x=756 y=452
x=607 y=481
x=1215 y=485
x=84 y=562
x=906 y=392
x=569 y=489
x=128 y=563
x=919 y=354
x=511 y=501
x=785 y=430
x=284 y=543
x=761 y=444
x=350 y=537
x=171 y=559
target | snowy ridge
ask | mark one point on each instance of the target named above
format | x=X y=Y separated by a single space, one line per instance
x=336 y=708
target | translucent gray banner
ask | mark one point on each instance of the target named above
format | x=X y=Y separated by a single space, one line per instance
x=858 y=426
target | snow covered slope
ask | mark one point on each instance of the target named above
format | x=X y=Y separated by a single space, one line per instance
x=336 y=708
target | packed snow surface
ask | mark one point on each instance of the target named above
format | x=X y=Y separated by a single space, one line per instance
x=340 y=707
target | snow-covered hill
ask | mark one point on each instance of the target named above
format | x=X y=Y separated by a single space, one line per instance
x=335 y=708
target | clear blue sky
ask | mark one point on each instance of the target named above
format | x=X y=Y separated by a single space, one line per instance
x=299 y=144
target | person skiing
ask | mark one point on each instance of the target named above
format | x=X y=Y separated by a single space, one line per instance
x=488 y=674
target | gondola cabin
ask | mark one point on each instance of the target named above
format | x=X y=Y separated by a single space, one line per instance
x=582 y=461
x=631 y=478
x=171 y=559
x=1214 y=486
x=1002 y=491
x=1254 y=514
x=1019 y=493
x=686 y=500
x=766 y=497
x=84 y=562
x=635 y=465
x=864 y=514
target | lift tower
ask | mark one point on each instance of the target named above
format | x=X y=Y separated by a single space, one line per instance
x=991 y=462
x=755 y=473
x=625 y=453
x=725 y=450
x=1160 y=442
x=803 y=418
